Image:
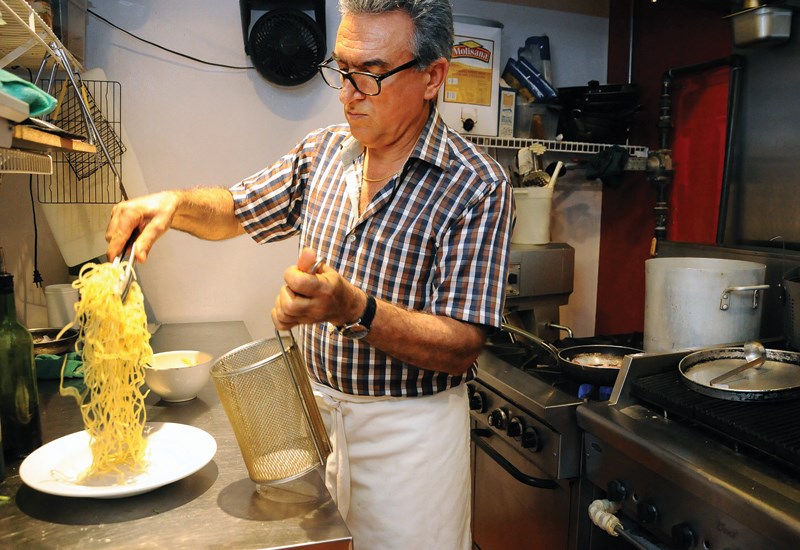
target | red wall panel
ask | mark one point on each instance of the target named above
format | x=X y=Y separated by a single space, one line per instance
x=666 y=34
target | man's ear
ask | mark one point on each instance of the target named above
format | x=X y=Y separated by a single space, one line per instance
x=437 y=72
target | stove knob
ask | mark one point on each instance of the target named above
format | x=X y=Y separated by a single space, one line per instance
x=531 y=439
x=682 y=535
x=477 y=402
x=648 y=513
x=616 y=491
x=515 y=426
x=498 y=419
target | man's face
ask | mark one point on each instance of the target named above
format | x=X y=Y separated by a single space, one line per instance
x=376 y=44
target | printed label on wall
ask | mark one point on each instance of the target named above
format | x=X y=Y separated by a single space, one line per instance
x=469 y=79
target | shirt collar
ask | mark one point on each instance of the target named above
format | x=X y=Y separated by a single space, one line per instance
x=431 y=146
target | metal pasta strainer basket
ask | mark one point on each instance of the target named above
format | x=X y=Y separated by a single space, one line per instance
x=266 y=394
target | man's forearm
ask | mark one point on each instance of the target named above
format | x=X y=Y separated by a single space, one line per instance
x=431 y=342
x=206 y=213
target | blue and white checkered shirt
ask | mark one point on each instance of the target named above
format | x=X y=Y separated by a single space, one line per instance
x=436 y=239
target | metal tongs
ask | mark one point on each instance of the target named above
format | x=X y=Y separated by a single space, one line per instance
x=128 y=275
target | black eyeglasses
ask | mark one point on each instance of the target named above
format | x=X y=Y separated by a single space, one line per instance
x=364 y=82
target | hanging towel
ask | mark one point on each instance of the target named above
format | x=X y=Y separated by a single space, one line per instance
x=39 y=102
x=48 y=367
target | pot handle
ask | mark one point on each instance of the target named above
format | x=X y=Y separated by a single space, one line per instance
x=726 y=294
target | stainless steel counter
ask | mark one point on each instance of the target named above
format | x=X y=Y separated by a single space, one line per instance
x=213 y=508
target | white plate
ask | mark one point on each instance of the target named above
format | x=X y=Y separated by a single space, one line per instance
x=174 y=451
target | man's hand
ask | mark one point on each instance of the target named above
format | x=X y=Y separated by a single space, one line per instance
x=151 y=214
x=323 y=296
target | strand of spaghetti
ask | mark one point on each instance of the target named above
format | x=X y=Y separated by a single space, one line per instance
x=115 y=346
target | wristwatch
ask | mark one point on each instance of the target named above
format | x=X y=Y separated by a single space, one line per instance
x=359 y=329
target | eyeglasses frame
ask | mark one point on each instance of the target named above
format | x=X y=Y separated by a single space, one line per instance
x=348 y=74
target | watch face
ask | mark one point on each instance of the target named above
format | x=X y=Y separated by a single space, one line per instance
x=356 y=332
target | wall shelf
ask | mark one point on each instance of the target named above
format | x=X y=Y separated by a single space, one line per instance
x=26 y=39
x=25 y=137
x=637 y=155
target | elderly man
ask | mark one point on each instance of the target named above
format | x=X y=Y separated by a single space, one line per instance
x=414 y=225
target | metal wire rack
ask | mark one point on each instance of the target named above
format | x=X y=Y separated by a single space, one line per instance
x=637 y=158
x=86 y=178
x=14 y=161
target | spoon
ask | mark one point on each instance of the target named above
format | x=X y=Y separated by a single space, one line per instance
x=754 y=353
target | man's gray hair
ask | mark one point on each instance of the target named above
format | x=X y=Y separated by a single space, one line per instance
x=432 y=19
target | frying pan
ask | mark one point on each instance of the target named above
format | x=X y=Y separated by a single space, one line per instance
x=595 y=364
x=777 y=379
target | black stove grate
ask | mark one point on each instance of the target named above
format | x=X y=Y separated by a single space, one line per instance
x=768 y=427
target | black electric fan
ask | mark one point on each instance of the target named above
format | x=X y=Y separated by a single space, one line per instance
x=285 y=44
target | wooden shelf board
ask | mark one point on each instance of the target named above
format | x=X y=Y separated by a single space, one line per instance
x=26 y=137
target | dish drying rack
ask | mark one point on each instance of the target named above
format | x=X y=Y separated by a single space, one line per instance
x=86 y=178
x=29 y=42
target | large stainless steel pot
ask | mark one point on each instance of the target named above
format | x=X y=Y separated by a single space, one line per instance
x=700 y=302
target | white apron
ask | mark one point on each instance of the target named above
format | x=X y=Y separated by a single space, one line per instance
x=400 y=469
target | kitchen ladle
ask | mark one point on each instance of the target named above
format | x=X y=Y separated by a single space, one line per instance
x=754 y=354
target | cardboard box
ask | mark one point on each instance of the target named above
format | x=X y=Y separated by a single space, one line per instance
x=505 y=119
x=469 y=98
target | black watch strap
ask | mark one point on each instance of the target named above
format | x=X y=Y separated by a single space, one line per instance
x=369 y=312
x=359 y=329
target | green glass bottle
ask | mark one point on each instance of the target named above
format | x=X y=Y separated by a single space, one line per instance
x=19 y=396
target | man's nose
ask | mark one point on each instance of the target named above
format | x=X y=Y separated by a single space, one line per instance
x=349 y=92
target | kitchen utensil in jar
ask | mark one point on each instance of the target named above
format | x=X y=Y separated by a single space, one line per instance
x=267 y=397
x=778 y=378
x=754 y=354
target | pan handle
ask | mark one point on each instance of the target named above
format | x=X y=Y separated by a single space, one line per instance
x=477 y=435
x=531 y=337
x=724 y=302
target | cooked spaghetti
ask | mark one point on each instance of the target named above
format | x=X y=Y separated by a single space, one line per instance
x=115 y=346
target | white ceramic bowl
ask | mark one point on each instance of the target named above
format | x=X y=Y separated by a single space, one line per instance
x=178 y=375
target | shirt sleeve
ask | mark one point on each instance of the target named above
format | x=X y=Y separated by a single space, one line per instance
x=269 y=203
x=473 y=260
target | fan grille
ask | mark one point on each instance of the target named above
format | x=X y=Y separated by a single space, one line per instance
x=286 y=46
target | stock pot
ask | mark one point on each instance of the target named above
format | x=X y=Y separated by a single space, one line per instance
x=701 y=302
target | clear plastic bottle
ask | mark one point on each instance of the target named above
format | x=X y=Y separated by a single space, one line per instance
x=19 y=397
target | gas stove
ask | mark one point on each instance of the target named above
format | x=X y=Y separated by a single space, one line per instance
x=523 y=379
x=692 y=471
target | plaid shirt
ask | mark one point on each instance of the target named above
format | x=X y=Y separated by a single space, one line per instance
x=436 y=239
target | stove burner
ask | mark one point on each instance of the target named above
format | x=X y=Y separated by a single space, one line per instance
x=768 y=428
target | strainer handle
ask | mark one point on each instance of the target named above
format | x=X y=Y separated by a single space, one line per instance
x=299 y=374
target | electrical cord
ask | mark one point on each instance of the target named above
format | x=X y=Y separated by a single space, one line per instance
x=37 y=277
x=198 y=60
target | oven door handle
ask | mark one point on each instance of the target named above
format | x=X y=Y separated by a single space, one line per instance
x=478 y=436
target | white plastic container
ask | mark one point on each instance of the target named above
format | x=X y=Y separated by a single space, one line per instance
x=60 y=301
x=533 y=215
x=469 y=100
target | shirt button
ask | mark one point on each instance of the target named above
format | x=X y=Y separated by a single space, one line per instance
x=351 y=238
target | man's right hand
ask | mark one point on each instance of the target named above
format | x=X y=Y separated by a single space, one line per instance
x=151 y=214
